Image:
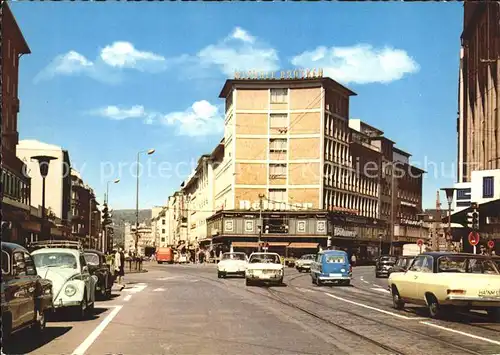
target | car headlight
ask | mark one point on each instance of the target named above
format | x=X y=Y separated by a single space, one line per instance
x=70 y=290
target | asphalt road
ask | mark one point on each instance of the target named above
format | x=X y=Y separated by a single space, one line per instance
x=176 y=309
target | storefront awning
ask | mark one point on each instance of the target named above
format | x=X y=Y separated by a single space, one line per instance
x=278 y=244
x=303 y=245
x=245 y=245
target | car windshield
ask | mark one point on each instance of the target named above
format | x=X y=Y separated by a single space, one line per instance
x=464 y=264
x=307 y=257
x=234 y=256
x=66 y=260
x=388 y=259
x=265 y=258
x=92 y=259
x=336 y=259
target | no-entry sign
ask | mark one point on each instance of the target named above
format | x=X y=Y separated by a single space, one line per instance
x=473 y=238
x=420 y=242
x=491 y=244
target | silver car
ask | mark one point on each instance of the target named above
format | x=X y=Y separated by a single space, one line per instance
x=304 y=263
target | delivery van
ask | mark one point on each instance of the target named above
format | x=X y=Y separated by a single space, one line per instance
x=165 y=255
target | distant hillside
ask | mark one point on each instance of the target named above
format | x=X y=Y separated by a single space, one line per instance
x=120 y=217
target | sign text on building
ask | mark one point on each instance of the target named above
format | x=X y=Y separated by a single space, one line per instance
x=342 y=232
x=275 y=206
x=281 y=75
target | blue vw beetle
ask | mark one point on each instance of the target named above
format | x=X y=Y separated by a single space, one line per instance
x=331 y=266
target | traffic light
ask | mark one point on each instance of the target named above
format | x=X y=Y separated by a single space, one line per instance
x=475 y=220
x=473 y=217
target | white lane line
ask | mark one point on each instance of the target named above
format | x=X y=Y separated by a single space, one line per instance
x=166 y=278
x=127 y=297
x=373 y=308
x=83 y=347
x=462 y=333
x=158 y=289
x=380 y=290
x=366 y=282
x=194 y=280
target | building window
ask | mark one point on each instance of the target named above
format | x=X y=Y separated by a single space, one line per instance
x=163 y=221
x=277 y=171
x=277 y=195
x=163 y=231
x=278 y=121
x=277 y=145
x=463 y=194
x=279 y=96
x=488 y=188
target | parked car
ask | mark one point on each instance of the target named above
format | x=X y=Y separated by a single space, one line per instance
x=26 y=297
x=96 y=261
x=447 y=281
x=304 y=263
x=402 y=264
x=384 y=264
x=264 y=267
x=64 y=264
x=232 y=264
x=331 y=266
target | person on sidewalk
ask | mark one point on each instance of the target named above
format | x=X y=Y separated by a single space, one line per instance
x=119 y=268
x=353 y=260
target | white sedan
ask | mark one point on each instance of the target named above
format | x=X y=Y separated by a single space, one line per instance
x=264 y=267
x=232 y=264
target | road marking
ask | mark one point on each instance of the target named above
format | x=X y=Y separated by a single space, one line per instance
x=462 y=333
x=83 y=347
x=166 y=278
x=158 y=289
x=194 y=280
x=361 y=278
x=127 y=297
x=305 y=290
x=380 y=289
x=366 y=282
x=373 y=308
x=136 y=288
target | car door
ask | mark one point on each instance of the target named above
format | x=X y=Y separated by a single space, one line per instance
x=21 y=292
x=426 y=278
x=32 y=280
x=316 y=265
x=84 y=269
x=407 y=282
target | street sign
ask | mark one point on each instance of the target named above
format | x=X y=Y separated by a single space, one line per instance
x=473 y=238
x=420 y=242
x=491 y=244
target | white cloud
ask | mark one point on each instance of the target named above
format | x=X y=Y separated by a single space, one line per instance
x=238 y=51
x=124 y=55
x=118 y=55
x=359 y=64
x=201 y=119
x=117 y=113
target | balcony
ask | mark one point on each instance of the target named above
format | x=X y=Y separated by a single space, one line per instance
x=361 y=139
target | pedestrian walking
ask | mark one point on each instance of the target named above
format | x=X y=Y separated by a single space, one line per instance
x=353 y=260
x=119 y=267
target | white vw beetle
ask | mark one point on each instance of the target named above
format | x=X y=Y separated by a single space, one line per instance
x=232 y=264
x=264 y=267
x=72 y=284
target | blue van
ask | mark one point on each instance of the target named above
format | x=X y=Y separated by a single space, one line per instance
x=331 y=266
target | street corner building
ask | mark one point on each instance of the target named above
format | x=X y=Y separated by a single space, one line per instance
x=291 y=158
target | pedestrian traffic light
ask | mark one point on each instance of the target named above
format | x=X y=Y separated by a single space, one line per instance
x=475 y=220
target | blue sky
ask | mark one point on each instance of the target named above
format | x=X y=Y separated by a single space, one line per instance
x=106 y=80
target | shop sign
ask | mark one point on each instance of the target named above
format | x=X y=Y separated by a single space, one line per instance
x=281 y=75
x=342 y=232
x=404 y=203
x=410 y=222
x=275 y=206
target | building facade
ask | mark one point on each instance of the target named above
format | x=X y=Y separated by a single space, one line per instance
x=160 y=226
x=478 y=122
x=146 y=242
x=290 y=147
x=17 y=224
x=86 y=216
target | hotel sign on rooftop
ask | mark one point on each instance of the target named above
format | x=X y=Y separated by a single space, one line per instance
x=279 y=75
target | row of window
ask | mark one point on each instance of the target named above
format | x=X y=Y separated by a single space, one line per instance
x=366 y=207
x=15 y=188
x=344 y=179
x=337 y=152
x=336 y=128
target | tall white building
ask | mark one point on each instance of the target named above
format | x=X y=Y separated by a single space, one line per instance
x=160 y=226
x=58 y=180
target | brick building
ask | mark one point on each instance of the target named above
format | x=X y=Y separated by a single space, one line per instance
x=17 y=224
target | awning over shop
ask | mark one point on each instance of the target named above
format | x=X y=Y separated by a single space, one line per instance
x=245 y=245
x=303 y=245
x=278 y=244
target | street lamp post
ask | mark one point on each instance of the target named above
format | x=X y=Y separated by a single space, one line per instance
x=149 y=152
x=449 y=197
x=43 y=163
x=106 y=199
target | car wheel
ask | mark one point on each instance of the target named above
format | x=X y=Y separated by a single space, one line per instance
x=346 y=283
x=40 y=322
x=433 y=305
x=82 y=309
x=219 y=275
x=397 y=302
x=280 y=282
x=377 y=276
x=90 y=309
x=318 y=281
x=248 y=282
x=108 y=294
